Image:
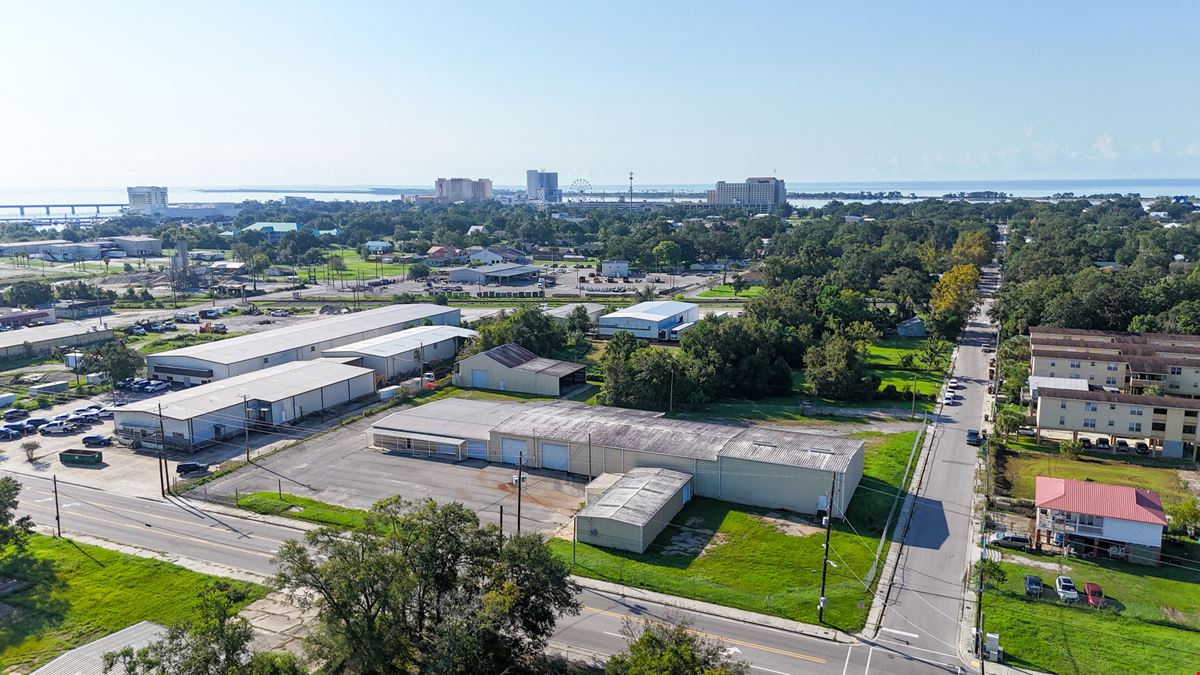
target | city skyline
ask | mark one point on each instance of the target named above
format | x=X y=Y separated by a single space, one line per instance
x=374 y=94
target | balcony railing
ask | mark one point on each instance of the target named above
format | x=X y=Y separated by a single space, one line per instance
x=1069 y=527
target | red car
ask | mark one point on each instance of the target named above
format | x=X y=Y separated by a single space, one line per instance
x=1095 y=595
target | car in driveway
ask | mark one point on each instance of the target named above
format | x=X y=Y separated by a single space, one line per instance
x=973 y=437
x=1010 y=540
x=97 y=441
x=1033 y=586
x=1066 y=590
x=1094 y=594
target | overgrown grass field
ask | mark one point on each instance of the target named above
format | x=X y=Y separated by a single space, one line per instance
x=1026 y=460
x=726 y=291
x=78 y=593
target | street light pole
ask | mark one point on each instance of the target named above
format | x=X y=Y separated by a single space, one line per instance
x=520 y=486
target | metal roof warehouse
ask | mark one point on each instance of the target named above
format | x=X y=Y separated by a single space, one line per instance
x=270 y=397
x=247 y=353
x=735 y=462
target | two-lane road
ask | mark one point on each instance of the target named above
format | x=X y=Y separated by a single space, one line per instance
x=180 y=530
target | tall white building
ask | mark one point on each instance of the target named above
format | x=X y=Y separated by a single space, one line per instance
x=146 y=200
x=463 y=189
x=542 y=186
x=757 y=193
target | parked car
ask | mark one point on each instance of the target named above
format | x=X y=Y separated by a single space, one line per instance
x=1033 y=586
x=1010 y=540
x=56 y=428
x=1102 y=444
x=104 y=414
x=988 y=349
x=81 y=411
x=124 y=384
x=1095 y=595
x=1122 y=445
x=97 y=441
x=280 y=313
x=60 y=417
x=15 y=414
x=973 y=437
x=952 y=384
x=136 y=330
x=36 y=422
x=18 y=428
x=168 y=325
x=1142 y=448
x=7 y=434
x=1085 y=443
x=948 y=399
x=79 y=420
x=155 y=387
x=184 y=468
x=1066 y=589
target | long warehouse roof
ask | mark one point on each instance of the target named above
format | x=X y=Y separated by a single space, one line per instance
x=653 y=310
x=635 y=430
x=269 y=385
x=637 y=496
x=403 y=341
x=300 y=335
x=54 y=331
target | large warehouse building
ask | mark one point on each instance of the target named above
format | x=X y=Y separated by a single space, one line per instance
x=405 y=353
x=26 y=342
x=657 y=320
x=223 y=359
x=748 y=465
x=199 y=416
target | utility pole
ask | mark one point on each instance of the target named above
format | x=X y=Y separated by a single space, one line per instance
x=520 y=487
x=982 y=556
x=825 y=562
x=162 y=462
x=246 y=427
x=589 y=457
x=57 y=517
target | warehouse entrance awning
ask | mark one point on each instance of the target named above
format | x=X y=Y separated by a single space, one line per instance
x=418 y=437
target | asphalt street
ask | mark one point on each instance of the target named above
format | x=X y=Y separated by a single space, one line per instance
x=923 y=614
x=180 y=530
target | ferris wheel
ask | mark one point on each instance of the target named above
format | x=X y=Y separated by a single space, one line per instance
x=580 y=188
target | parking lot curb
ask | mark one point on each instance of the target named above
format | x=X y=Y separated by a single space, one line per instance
x=700 y=607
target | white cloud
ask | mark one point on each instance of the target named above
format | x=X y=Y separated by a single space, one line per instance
x=1103 y=146
x=1192 y=150
x=1028 y=130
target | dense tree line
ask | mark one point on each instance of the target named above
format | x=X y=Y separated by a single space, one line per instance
x=1104 y=266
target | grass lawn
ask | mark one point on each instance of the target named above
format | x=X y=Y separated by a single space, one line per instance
x=162 y=344
x=1026 y=460
x=887 y=352
x=751 y=563
x=302 y=508
x=1153 y=619
x=355 y=264
x=81 y=592
x=726 y=291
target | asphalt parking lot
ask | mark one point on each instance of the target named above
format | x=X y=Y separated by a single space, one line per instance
x=339 y=468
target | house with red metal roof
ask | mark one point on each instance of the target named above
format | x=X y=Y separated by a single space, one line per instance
x=1100 y=519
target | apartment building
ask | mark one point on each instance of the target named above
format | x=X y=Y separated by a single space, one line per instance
x=1166 y=423
x=1119 y=361
x=146 y=200
x=542 y=186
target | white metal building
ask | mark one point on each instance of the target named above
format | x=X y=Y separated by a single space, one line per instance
x=223 y=359
x=614 y=268
x=195 y=417
x=634 y=509
x=562 y=312
x=405 y=353
x=655 y=320
x=757 y=466
x=500 y=273
x=25 y=342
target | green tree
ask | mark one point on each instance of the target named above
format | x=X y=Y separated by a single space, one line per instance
x=115 y=359
x=993 y=574
x=1185 y=516
x=953 y=298
x=14 y=530
x=28 y=294
x=578 y=320
x=1008 y=422
x=528 y=327
x=837 y=369
x=739 y=284
x=216 y=643
x=671 y=649
x=336 y=263
x=30 y=449
x=418 y=271
x=934 y=351
x=667 y=252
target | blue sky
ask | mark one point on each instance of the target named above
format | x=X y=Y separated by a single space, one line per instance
x=229 y=93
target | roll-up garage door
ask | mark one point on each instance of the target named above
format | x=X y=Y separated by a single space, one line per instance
x=555 y=456
x=479 y=378
x=445 y=449
x=477 y=449
x=511 y=449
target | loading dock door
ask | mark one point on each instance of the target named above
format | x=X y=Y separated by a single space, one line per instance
x=511 y=449
x=555 y=456
x=477 y=449
x=479 y=378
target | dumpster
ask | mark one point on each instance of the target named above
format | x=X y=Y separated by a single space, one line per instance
x=81 y=457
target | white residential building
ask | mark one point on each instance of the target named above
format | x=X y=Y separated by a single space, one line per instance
x=146 y=200
x=757 y=193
